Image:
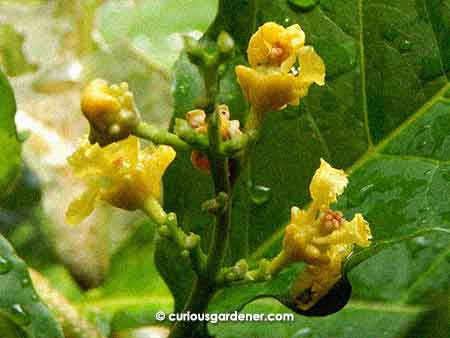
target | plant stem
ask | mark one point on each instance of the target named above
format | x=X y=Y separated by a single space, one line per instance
x=189 y=242
x=205 y=285
x=239 y=143
x=153 y=209
x=159 y=136
x=267 y=270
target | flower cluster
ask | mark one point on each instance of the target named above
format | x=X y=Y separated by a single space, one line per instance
x=273 y=81
x=110 y=110
x=228 y=129
x=321 y=237
x=119 y=173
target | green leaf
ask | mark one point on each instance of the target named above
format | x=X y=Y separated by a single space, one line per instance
x=358 y=319
x=384 y=115
x=21 y=311
x=12 y=57
x=154 y=26
x=133 y=291
x=10 y=145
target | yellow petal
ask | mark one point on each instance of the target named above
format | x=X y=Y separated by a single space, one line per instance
x=154 y=165
x=261 y=43
x=312 y=67
x=268 y=90
x=274 y=45
x=326 y=184
x=81 y=207
x=360 y=230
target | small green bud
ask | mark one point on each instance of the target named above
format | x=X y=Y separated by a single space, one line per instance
x=225 y=43
x=191 y=241
x=164 y=231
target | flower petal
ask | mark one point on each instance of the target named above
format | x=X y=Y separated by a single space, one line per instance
x=326 y=184
x=81 y=207
x=312 y=67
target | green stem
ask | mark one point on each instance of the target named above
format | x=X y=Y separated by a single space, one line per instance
x=153 y=209
x=160 y=136
x=239 y=143
x=189 y=242
x=205 y=285
x=266 y=270
x=188 y=134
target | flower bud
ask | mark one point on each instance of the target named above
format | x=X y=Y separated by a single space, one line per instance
x=110 y=110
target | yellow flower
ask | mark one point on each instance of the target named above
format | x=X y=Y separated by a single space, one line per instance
x=274 y=45
x=120 y=174
x=272 y=82
x=110 y=110
x=321 y=237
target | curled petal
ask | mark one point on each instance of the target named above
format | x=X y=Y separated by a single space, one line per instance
x=326 y=184
x=356 y=231
x=297 y=245
x=154 y=165
x=269 y=90
x=274 y=45
x=81 y=207
x=312 y=67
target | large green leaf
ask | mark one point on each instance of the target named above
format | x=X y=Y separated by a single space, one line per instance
x=22 y=313
x=12 y=57
x=133 y=291
x=154 y=26
x=383 y=114
x=10 y=145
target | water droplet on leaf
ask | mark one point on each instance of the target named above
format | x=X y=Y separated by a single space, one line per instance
x=260 y=194
x=365 y=189
x=5 y=265
x=303 y=332
x=25 y=281
x=405 y=45
x=304 y=5
x=422 y=241
x=20 y=316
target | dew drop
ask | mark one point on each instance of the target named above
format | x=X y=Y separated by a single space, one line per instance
x=365 y=189
x=5 y=265
x=303 y=332
x=25 y=282
x=34 y=297
x=405 y=45
x=422 y=241
x=260 y=194
x=19 y=315
x=429 y=171
x=304 y=5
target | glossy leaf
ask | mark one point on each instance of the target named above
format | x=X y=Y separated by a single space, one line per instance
x=154 y=27
x=383 y=115
x=10 y=145
x=22 y=312
x=12 y=57
x=133 y=291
